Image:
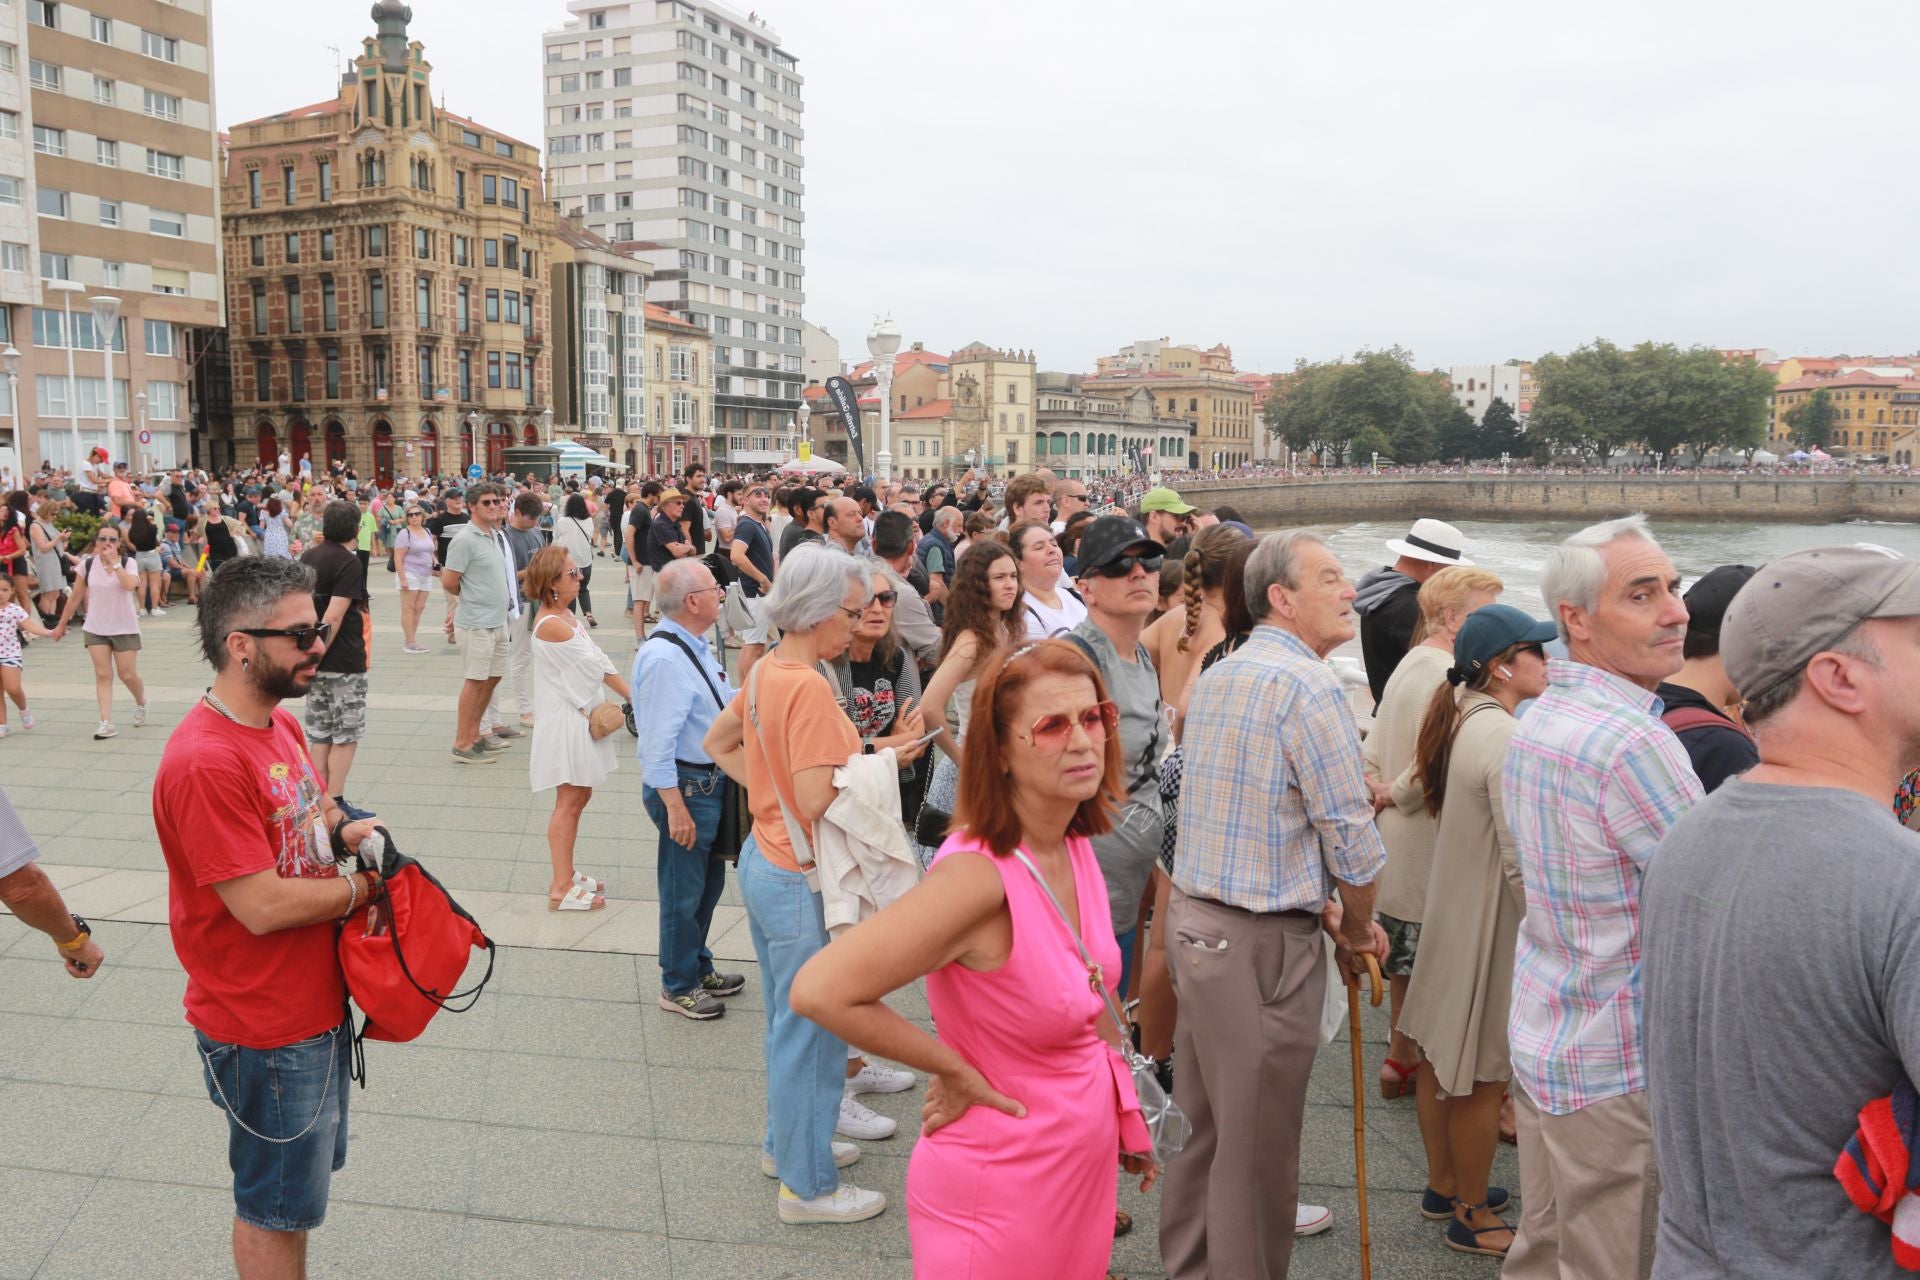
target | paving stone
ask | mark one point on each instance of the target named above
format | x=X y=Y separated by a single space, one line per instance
x=565 y=1094
x=535 y=1251
x=75 y=1130
x=38 y=1207
x=145 y=1231
x=574 y=1177
x=555 y=1027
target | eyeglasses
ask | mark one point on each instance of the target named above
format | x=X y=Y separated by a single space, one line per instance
x=302 y=637
x=1125 y=565
x=853 y=614
x=1051 y=734
x=703 y=590
x=885 y=599
x=1537 y=650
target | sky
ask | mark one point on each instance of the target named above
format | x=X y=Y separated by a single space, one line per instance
x=1474 y=182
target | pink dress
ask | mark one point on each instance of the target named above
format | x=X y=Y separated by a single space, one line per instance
x=992 y=1196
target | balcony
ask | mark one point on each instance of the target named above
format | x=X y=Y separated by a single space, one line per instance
x=535 y=340
x=373 y=319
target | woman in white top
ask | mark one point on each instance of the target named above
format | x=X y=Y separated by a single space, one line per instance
x=569 y=674
x=104 y=588
x=413 y=548
x=1051 y=608
x=574 y=531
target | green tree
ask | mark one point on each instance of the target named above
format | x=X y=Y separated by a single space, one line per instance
x=1589 y=402
x=1325 y=405
x=1499 y=431
x=1728 y=403
x=1811 y=421
x=1413 y=440
x=1366 y=442
x=1459 y=436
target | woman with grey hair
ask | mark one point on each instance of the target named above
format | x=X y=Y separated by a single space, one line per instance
x=781 y=738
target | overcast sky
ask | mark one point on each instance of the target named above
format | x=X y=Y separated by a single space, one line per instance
x=1475 y=182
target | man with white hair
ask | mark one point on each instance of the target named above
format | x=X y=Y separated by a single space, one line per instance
x=1593 y=780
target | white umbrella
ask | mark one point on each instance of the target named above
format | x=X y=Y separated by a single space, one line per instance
x=814 y=466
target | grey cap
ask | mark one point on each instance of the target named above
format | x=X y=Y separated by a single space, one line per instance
x=1806 y=602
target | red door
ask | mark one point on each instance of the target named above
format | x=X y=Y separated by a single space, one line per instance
x=382 y=454
x=497 y=439
x=269 y=445
x=302 y=443
x=336 y=443
x=429 y=450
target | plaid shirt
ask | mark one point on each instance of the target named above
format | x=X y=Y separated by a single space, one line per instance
x=1273 y=798
x=1592 y=781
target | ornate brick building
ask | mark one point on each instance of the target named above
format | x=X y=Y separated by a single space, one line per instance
x=387 y=276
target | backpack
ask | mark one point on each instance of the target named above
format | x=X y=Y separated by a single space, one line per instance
x=1681 y=719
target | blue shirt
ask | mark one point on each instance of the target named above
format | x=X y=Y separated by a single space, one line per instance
x=675 y=705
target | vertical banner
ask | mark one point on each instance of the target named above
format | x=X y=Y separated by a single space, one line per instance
x=840 y=391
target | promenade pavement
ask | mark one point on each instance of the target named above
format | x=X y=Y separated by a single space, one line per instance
x=565 y=1126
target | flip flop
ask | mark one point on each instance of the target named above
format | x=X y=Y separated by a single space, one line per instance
x=588 y=883
x=577 y=899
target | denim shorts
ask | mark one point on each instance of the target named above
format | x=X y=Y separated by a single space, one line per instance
x=294 y=1099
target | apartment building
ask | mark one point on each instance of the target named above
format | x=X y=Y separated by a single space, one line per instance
x=676 y=125
x=107 y=169
x=388 y=275
x=599 y=337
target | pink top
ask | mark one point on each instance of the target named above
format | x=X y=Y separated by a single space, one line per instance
x=110 y=607
x=992 y=1195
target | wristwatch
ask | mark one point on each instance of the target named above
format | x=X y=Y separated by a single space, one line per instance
x=866 y=748
x=81 y=932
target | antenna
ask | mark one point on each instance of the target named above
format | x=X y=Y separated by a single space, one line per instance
x=338 y=59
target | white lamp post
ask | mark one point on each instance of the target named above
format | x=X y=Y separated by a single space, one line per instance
x=800 y=417
x=106 y=317
x=882 y=343
x=11 y=359
x=66 y=289
x=141 y=456
x=473 y=436
x=546 y=425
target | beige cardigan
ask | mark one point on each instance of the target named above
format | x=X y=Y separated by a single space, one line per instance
x=1387 y=752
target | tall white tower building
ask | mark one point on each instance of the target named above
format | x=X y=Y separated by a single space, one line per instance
x=674 y=130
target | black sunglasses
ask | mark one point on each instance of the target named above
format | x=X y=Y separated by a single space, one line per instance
x=1125 y=565
x=302 y=637
x=1537 y=650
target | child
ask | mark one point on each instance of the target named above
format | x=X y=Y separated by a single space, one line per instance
x=14 y=620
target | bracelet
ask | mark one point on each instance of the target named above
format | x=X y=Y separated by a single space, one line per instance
x=73 y=945
x=353 y=897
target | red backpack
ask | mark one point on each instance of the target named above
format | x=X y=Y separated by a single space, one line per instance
x=404 y=955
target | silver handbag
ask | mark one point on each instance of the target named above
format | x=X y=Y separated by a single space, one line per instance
x=1167 y=1124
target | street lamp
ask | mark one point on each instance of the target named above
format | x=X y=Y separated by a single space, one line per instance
x=882 y=342
x=66 y=289
x=800 y=416
x=106 y=319
x=971 y=455
x=141 y=401
x=10 y=358
x=473 y=436
x=546 y=425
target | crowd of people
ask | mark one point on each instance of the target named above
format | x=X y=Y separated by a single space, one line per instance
x=1636 y=871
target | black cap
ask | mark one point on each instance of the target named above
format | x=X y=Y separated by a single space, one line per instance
x=1707 y=599
x=1108 y=538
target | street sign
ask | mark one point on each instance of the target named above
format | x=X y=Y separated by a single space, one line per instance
x=475 y=471
x=146 y=437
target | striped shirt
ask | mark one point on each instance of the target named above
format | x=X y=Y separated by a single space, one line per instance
x=1273 y=799
x=1592 y=781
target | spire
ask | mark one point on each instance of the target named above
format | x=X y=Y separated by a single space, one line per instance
x=392 y=17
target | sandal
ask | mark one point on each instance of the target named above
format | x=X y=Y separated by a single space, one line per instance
x=588 y=883
x=1122 y=1223
x=1465 y=1239
x=1396 y=1080
x=578 y=898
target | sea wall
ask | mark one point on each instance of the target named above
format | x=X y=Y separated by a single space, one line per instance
x=1798 y=500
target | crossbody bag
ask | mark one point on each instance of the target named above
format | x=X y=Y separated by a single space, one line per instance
x=736 y=818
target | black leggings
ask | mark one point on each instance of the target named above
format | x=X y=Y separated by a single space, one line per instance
x=585 y=602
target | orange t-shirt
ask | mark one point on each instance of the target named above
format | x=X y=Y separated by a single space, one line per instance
x=801 y=727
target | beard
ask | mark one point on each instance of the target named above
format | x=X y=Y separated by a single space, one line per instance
x=280 y=683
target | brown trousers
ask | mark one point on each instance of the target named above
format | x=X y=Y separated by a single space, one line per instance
x=1249 y=988
x=1589 y=1192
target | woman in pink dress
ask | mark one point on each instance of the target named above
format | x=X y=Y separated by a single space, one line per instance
x=1031 y=1110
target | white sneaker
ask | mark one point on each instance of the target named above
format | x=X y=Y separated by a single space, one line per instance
x=878 y=1078
x=26 y=719
x=858 y=1122
x=104 y=729
x=844 y=1154
x=4 y=731
x=846 y=1203
x=159 y=613
x=140 y=716
x=1311 y=1219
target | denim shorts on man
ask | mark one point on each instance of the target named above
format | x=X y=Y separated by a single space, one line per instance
x=286 y=1124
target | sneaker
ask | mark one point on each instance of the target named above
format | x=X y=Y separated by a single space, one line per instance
x=353 y=811
x=1311 y=1219
x=104 y=729
x=526 y=719
x=159 y=613
x=858 y=1122
x=845 y=1203
x=844 y=1154
x=470 y=755
x=507 y=731
x=697 y=1005
x=723 y=984
x=877 y=1078
x=485 y=743
x=414 y=648
x=4 y=731
x=139 y=717
x=26 y=719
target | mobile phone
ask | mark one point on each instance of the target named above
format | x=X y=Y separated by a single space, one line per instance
x=924 y=739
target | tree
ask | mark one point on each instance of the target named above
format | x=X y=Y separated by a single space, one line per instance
x=1459 y=436
x=1587 y=400
x=1413 y=440
x=1366 y=442
x=1324 y=406
x=1812 y=419
x=1730 y=407
x=1499 y=431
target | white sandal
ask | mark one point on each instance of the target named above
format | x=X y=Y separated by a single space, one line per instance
x=579 y=898
x=589 y=883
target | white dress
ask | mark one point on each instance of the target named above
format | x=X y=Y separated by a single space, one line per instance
x=568 y=680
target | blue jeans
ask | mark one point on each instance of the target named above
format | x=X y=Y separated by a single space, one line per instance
x=689 y=880
x=806 y=1065
x=297 y=1092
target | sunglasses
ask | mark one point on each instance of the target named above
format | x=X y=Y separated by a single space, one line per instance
x=1125 y=565
x=1537 y=650
x=1051 y=734
x=885 y=599
x=302 y=637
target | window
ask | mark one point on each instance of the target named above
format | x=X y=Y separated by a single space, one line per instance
x=49 y=142
x=161 y=106
x=493 y=305
x=253 y=188
x=103 y=91
x=155 y=45
x=259 y=307
x=511 y=313
x=13 y=257
x=286 y=183
x=422 y=243
x=493 y=368
x=377 y=301
x=257 y=250
x=162 y=165
x=326 y=181
x=297 y=377
x=466 y=374
x=109 y=213
x=51 y=203
x=489 y=188
x=56 y=266
x=426 y=370
x=490 y=252
x=513 y=370
x=332 y=373
x=160 y=338
x=296 y=320
x=106 y=152
x=423 y=300
x=511 y=246
x=102 y=29
x=10 y=192
x=326 y=245
x=164 y=400
x=9 y=57
x=43 y=13
x=329 y=305
x=503 y=148
x=682 y=410
x=293 y=246
x=165 y=223
x=10 y=125
x=376 y=242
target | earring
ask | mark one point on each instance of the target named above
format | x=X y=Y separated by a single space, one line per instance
x=245 y=663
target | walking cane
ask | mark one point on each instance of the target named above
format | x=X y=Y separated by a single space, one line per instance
x=1360 y=1105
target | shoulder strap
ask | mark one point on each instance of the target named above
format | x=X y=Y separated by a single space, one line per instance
x=802 y=847
x=681 y=645
x=1681 y=719
x=1093 y=970
x=1150 y=770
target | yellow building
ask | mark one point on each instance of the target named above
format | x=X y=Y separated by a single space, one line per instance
x=1219 y=409
x=1869 y=410
x=992 y=409
x=679 y=382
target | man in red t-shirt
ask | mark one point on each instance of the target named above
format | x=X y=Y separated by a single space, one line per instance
x=255 y=897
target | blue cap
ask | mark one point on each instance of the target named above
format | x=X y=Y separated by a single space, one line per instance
x=1492 y=630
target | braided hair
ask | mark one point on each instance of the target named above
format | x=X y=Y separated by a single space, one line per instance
x=1206 y=568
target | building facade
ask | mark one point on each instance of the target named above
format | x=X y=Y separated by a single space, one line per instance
x=599 y=342
x=1872 y=412
x=1078 y=434
x=1476 y=386
x=679 y=387
x=1217 y=408
x=677 y=125
x=108 y=165
x=388 y=277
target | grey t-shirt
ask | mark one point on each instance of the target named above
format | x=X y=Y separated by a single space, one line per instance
x=1127 y=853
x=525 y=545
x=1781 y=935
x=17 y=846
x=481 y=561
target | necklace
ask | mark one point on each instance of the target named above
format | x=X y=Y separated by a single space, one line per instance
x=221 y=707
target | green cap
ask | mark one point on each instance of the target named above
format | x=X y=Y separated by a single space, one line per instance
x=1164 y=499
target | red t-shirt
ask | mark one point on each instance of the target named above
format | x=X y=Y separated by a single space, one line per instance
x=230 y=801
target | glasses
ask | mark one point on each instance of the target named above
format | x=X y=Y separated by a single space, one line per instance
x=853 y=614
x=1051 y=734
x=1077 y=497
x=703 y=590
x=302 y=637
x=885 y=599
x=1537 y=650
x=490 y=502
x=1125 y=565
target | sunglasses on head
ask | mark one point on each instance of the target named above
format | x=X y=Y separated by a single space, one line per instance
x=1051 y=734
x=302 y=637
x=1125 y=565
